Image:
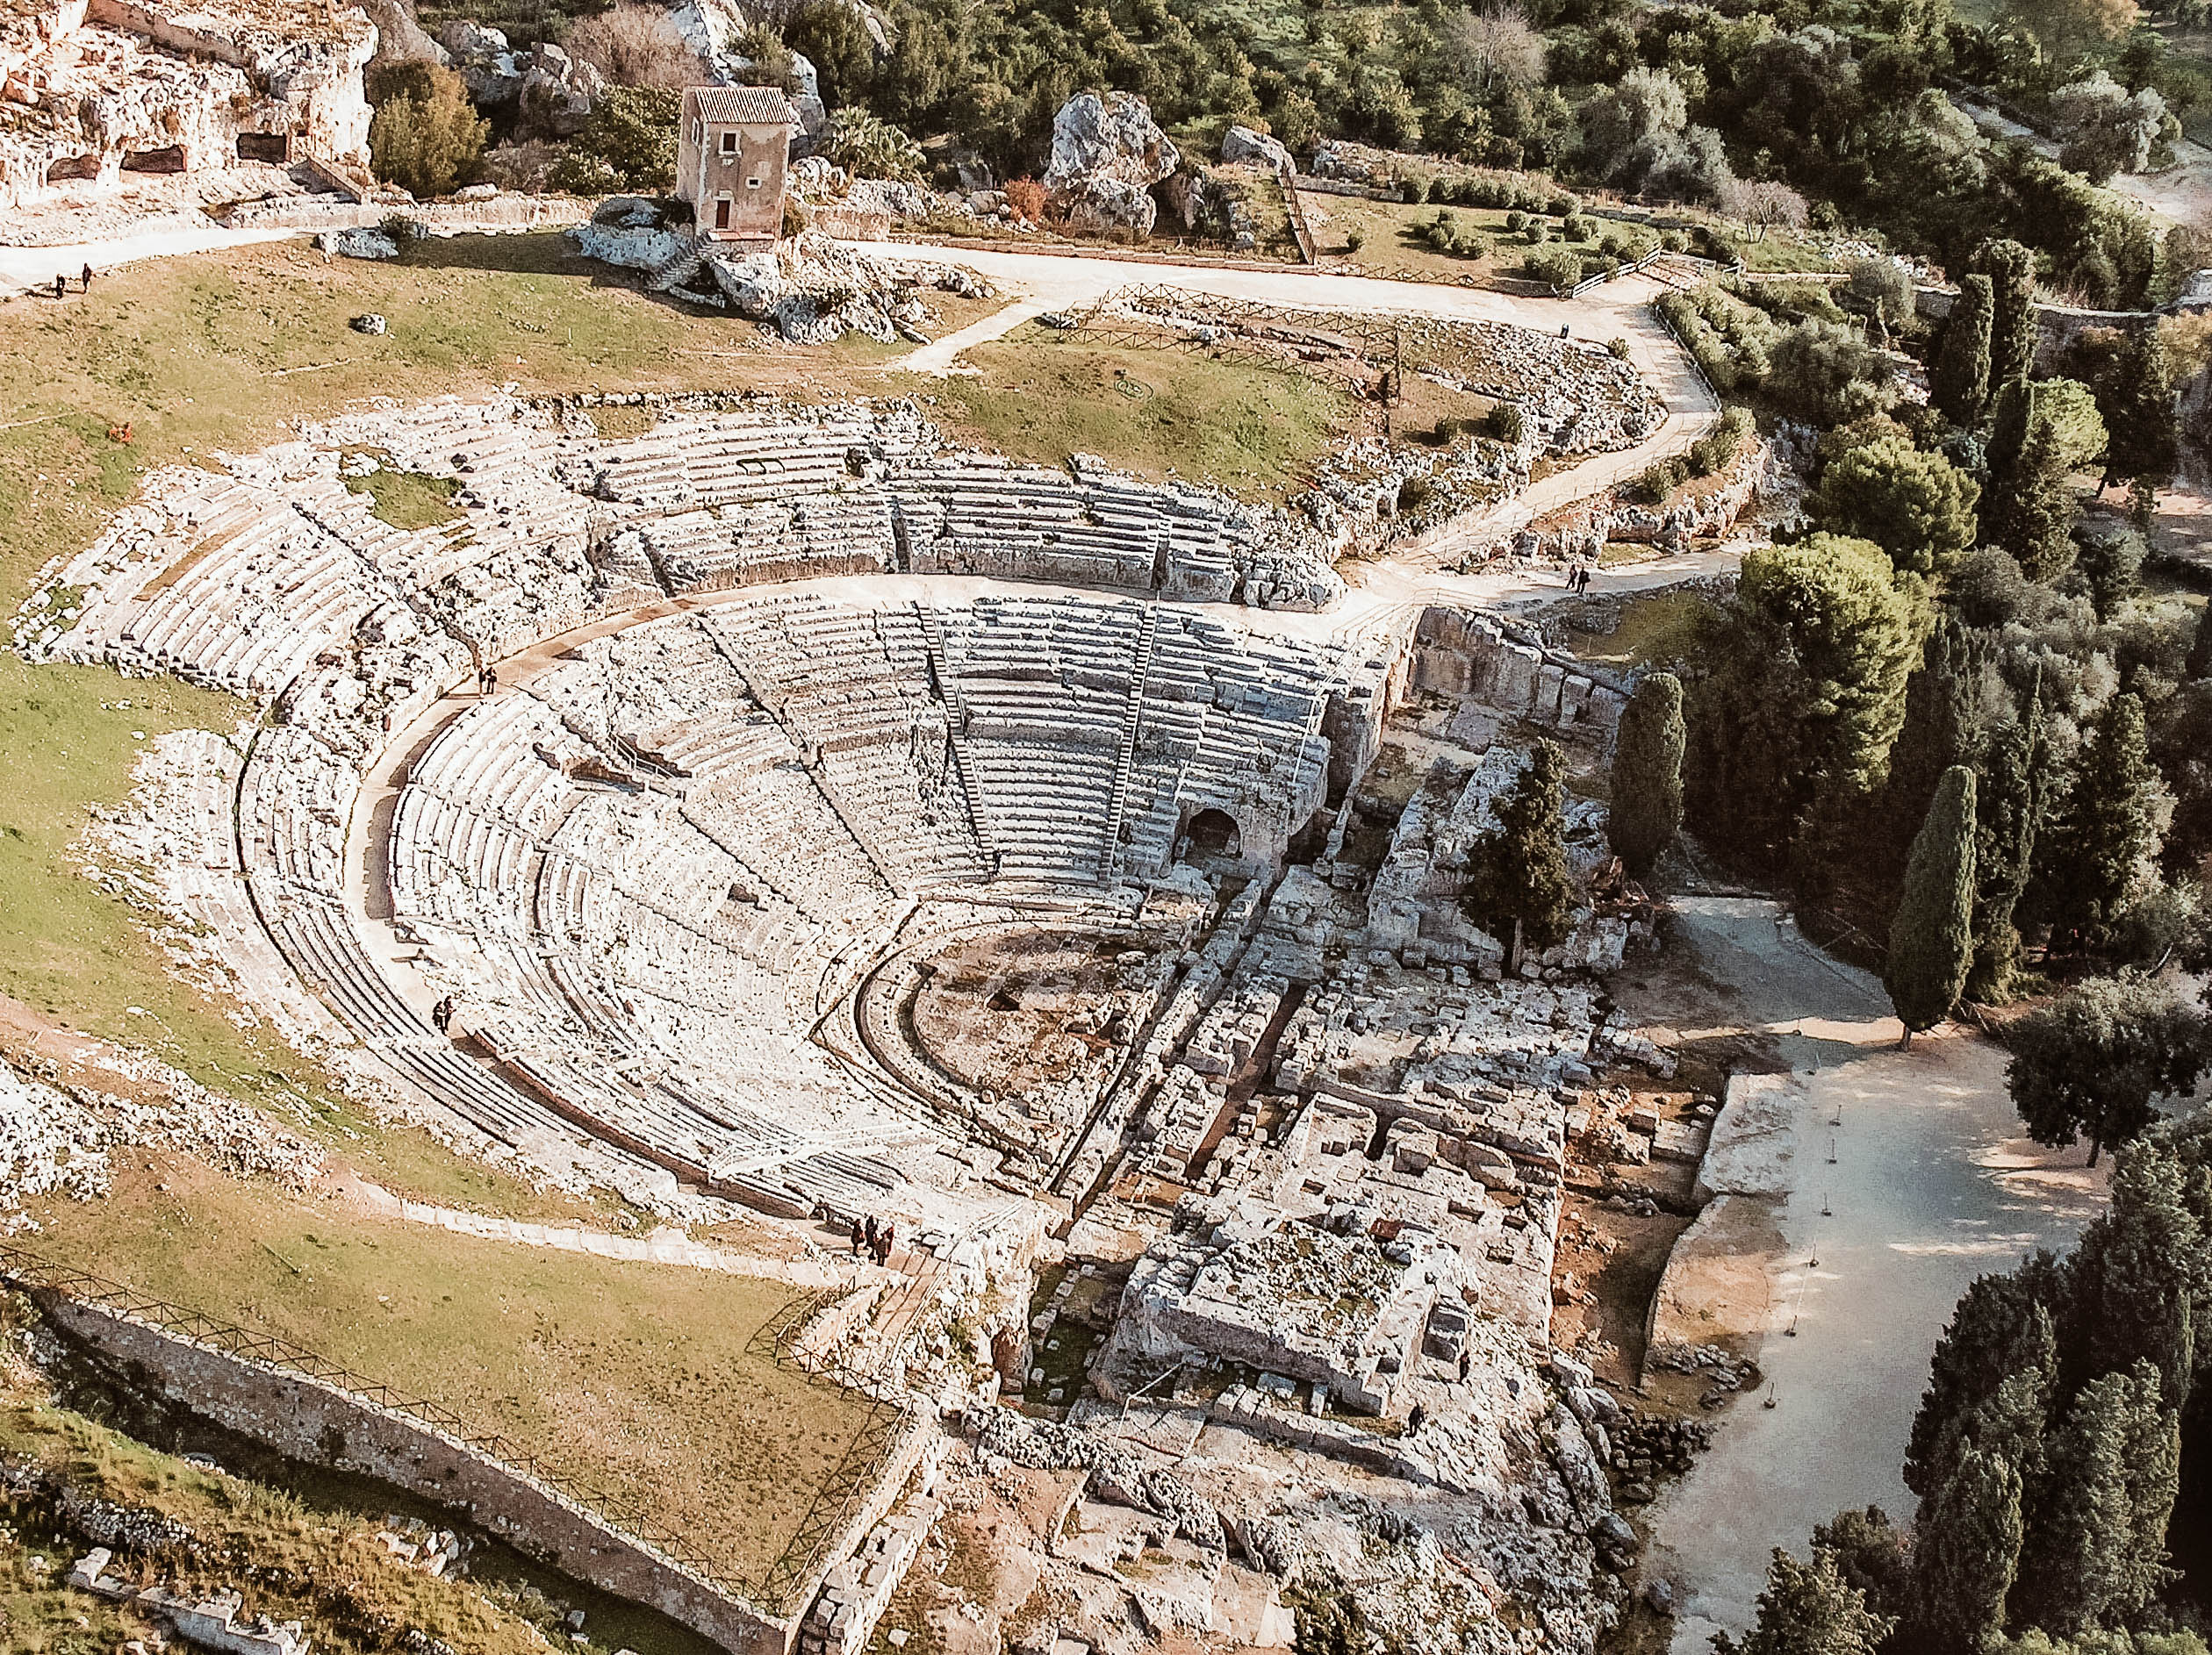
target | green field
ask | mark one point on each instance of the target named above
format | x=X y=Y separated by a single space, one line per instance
x=630 y=1378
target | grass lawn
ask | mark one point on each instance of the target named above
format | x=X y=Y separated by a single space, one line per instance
x=1655 y=629
x=314 y=1559
x=633 y=1378
x=1392 y=233
x=1042 y=396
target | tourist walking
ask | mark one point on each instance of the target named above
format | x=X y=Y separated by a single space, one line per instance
x=87 y=275
x=60 y=286
x=869 y=1234
x=442 y=1015
x=857 y=1238
x=883 y=1245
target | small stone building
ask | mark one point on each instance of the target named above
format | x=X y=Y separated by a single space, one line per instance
x=732 y=148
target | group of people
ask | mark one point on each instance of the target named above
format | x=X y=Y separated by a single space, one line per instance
x=62 y=282
x=1579 y=576
x=874 y=1236
x=487 y=679
x=442 y=1015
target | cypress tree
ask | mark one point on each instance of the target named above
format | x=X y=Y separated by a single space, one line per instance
x=2098 y=1548
x=1932 y=932
x=1807 y=1607
x=1938 y=730
x=2145 y=1274
x=2009 y=805
x=2107 y=827
x=2031 y=512
x=2003 y=1332
x=1522 y=885
x=1647 y=773
x=1959 y=385
x=2139 y=407
x=1966 y=1554
x=2011 y=270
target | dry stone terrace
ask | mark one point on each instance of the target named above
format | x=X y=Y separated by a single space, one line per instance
x=858 y=825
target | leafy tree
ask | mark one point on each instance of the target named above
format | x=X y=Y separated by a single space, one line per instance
x=1799 y=692
x=868 y=147
x=2011 y=270
x=2198 y=666
x=629 y=143
x=425 y=134
x=2098 y=1547
x=2108 y=129
x=1522 y=889
x=2067 y=406
x=1882 y=286
x=2107 y=831
x=1966 y=1554
x=2008 y=814
x=1959 y=382
x=1808 y=1609
x=833 y=36
x=2089 y=1063
x=1917 y=507
x=2002 y=1329
x=1822 y=371
x=1647 y=773
x=1988 y=589
x=2068 y=27
x=1931 y=936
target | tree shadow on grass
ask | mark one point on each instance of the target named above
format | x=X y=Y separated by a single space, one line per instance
x=535 y=252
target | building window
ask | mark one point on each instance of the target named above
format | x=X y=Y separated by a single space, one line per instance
x=752 y=183
x=729 y=143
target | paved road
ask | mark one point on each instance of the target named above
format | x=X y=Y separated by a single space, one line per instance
x=33 y=269
x=1929 y=1188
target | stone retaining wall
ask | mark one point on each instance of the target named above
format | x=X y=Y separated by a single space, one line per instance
x=318 y=1424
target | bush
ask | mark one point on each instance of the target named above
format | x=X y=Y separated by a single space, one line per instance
x=1658 y=482
x=425 y=135
x=1719 y=446
x=1617 y=347
x=1560 y=206
x=1026 y=196
x=1449 y=427
x=1556 y=267
x=1414 y=493
x=1578 y=226
x=628 y=144
x=636 y=44
x=1538 y=233
x=1503 y=423
x=1415 y=186
x=1354 y=239
x=868 y=147
x=1516 y=222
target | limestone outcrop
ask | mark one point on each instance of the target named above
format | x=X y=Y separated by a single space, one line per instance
x=112 y=87
x=1242 y=143
x=1106 y=153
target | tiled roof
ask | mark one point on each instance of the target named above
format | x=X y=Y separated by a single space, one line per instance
x=746 y=105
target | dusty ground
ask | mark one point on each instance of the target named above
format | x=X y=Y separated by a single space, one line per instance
x=1927 y=1186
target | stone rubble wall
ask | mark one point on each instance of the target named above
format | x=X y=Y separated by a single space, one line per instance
x=859 y=1588
x=1471 y=655
x=320 y=1424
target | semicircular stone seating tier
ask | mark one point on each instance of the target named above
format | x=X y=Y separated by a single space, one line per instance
x=646 y=870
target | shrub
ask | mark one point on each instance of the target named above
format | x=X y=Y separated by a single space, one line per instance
x=868 y=147
x=1415 y=186
x=1560 y=206
x=1516 y=222
x=1556 y=267
x=1354 y=239
x=1503 y=423
x=636 y=44
x=1538 y=233
x=1578 y=226
x=1414 y=493
x=1658 y=482
x=1026 y=196
x=1719 y=446
x=628 y=144
x=425 y=134
x=1449 y=427
x=1617 y=347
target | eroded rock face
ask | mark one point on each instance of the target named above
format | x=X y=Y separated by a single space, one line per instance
x=556 y=93
x=97 y=90
x=1106 y=153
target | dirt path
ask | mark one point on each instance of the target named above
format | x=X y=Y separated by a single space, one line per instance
x=1929 y=1187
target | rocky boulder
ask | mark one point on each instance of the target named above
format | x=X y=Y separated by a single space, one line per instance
x=556 y=94
x=1242 y=143
x=491 y=70
x=1106 y=153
